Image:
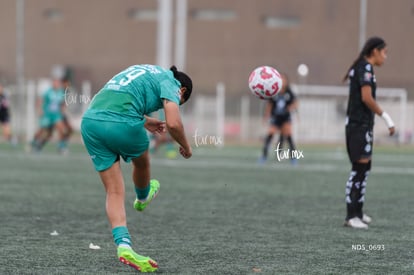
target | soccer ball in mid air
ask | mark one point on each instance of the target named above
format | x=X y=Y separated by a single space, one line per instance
x=265 y=82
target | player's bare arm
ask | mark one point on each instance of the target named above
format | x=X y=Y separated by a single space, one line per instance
x=175 y=127
x=154 y=125
x=369 y=101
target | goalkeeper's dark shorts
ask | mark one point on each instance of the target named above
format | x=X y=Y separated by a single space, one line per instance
x=280 y=120
x=4 y=116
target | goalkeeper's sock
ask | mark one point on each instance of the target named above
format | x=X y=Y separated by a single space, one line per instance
x=121 y=236
x=292 y=146
x=268 y=139
x=281 y=141
x=355 y=189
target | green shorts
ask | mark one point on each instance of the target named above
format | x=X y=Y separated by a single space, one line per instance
x=106 y=141
x=49 y=120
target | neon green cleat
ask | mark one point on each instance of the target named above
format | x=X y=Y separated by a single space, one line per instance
x=154 y=189
x=129 y=257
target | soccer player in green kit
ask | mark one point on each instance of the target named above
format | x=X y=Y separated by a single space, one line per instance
x=115 y=126
x=51 y=107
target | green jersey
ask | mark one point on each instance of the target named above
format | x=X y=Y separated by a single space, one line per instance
x=52 y=100
x=137 y=91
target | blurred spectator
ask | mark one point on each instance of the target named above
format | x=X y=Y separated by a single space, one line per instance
x=5 y=115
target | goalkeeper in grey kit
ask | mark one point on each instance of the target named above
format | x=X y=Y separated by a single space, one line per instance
x=361 y=110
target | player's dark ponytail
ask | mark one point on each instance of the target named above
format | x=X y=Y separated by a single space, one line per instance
x=371 y=44
x=185 y=81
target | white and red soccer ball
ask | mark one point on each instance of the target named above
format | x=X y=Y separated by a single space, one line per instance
x=265 y=82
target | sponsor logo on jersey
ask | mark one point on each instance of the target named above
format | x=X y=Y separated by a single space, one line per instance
x=367 y=76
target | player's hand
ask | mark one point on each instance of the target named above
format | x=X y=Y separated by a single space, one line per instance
x=154 y=125
x=392 y=131
x=186 y=153
x=389 y=122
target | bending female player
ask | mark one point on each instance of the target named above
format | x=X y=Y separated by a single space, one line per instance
x=361 y=110
x=115 y=126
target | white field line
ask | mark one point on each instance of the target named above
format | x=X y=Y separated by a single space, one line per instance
x=334 y=155
x=217 y=163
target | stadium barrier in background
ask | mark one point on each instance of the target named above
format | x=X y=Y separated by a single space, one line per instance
x=236 y=118
x=320 y=117
x=322 y=114
x=24 y=117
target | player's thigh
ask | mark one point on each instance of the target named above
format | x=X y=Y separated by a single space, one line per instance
x=359 y=142
x=274 y=127
x=6 y=129
x=96 y=137
x=272 y=130
x=45 y=133
x=287 y=128
x=112 y=178
x=60 y=127
x=45 y=121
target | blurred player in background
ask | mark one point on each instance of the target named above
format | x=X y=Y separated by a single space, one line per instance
x=278 y=111
x=361 y=110
x=115 y=126
x=5 y=115
x=51 y=107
